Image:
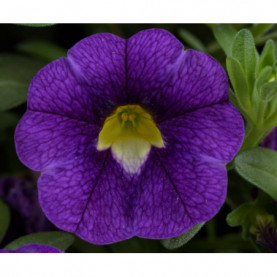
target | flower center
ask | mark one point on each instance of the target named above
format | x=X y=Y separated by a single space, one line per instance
x=130 y=132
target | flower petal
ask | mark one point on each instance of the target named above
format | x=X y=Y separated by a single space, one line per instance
x=215 y=131
x=168 y=80
x=100 y=61
x=90 y=197
x=270 y=141
x=178 y=190
x=55 y=89
x=44 y=140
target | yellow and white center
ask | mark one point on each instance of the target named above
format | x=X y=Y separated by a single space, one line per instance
x=130 y=132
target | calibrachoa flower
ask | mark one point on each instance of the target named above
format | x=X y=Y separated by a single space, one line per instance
x=33 y=248
x=266 y=232
x=270 y=141
x=268 y=237
x=131 y=137
x=22 y=198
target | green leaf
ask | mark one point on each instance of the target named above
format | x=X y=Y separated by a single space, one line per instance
x=259 y=29
x=192 y=40
x=36 y=24
x=275 y=55
x=244 y=51
x=259 y=167
x=16 y=73
x=225 y=34
x=61 y=240
x=239 y=83
x=263 y=39
x=44 y=50
x=182 y=239
x=263 y=77
x=268 y=55
x=269 y=91
x=4 y=219
x=245 y=216
x=237 y=216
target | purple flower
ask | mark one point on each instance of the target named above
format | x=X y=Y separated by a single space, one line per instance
x=33 y=248
x=270 y=141
x=266 y=232
x=268 y=238
x=131 y=137
x=26 y=214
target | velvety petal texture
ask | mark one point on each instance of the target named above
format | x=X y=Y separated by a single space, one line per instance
x=177 y=191
x=33 y=248
x=56 y=90
x=87 y=191
x=168 y=80
x=89 y=196
x=213 y=131
x=45 y=139
x=99 y=61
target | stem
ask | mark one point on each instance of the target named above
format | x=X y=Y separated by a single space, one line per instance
x=256 y=247
x=272 y=121
x=253 y=137
x=261 y=111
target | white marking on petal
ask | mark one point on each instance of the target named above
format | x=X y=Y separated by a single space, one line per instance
x=131 y=153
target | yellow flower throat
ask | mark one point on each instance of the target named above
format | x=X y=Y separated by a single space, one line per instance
x=130 y=132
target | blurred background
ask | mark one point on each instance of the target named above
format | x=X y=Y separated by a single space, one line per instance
x=23 y=51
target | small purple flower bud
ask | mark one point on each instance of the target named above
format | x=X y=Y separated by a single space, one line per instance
x=266 y=232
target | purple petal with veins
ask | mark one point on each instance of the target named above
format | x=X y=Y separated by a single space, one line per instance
x=88 y=192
